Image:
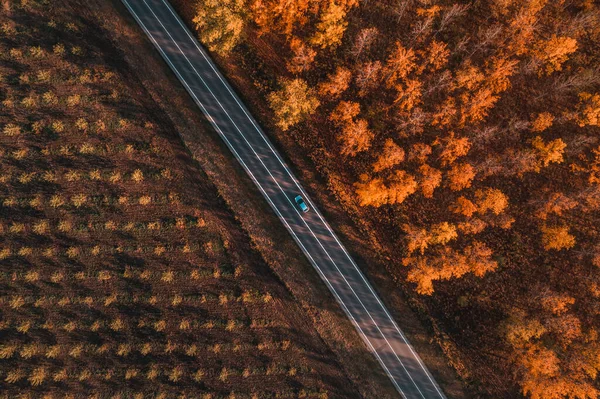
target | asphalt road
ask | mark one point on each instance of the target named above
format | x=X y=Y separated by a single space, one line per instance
x=266 y=168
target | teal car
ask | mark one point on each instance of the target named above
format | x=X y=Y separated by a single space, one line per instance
x=301 y=204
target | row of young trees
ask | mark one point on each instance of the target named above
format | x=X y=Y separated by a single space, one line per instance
x=45 y=376
x=108 y=175
x=116 y=298
x=148 y=349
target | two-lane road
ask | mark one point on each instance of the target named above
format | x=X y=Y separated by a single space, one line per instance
x=225 y=111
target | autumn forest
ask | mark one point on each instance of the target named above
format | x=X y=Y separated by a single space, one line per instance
x=466 y=138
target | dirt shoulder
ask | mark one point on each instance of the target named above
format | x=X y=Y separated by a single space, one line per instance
x=266 y=232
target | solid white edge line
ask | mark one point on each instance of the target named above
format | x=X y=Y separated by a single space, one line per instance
x=290 y=202
x=323 y=277
x=288 y=199
x=254 y=123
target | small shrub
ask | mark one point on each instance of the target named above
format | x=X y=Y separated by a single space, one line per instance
x=16 y=228
x=32 y=276
x=117 y=324
x=25 y=251
x=76 y=351
x=65 y=226
x=160 y=325
x=8 y=30
x=79 y=200
x=70 y=326
x=59 y=49
x=60 y=375
x=137 y=176
x=73 y=100
x=16 y=54
x=224 y=375
x=153 y=372
x=36 y=52
x=24 y=79
x=72 y=176
x=168 y=276
x=29 y=102
x=44 y=76
x=199 y=375
x=24 y=327
x=11 y=130
x=53 y=351
x=84 y=375
x=59 y=127
x=146 y=349
x=57 y=277
x=16 y=303
x=184 y=325
x=50 y=98
x=87 y=149
x=14 y=376
x=7 y=351
x=81 y=124
x=131 y=373
x=56 y=201
x=114 y=177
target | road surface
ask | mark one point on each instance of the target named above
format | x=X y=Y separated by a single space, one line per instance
x=225 y=111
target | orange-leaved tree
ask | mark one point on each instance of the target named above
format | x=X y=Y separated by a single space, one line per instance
x=280 y=16
x=448 y=263
x=429 y=179
x=460 y=176
x=336 y=83
x=391 y=155
x=331 y=26
x=401 y=185
x=302 y=58
x=400 y=63
x=549 y=152
x=557 y=237
x=463 y=206
x=491 y=199
x=542 y=122
x=437 y=56
x=220 y=23
x=556 y=357
x=452 y=148
x=371 y=191
x=344 y=112
x=377 y=192
x=355 y=137
x=554 y=52
x=588 y=109
x=293 y=102
x=477 y=105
